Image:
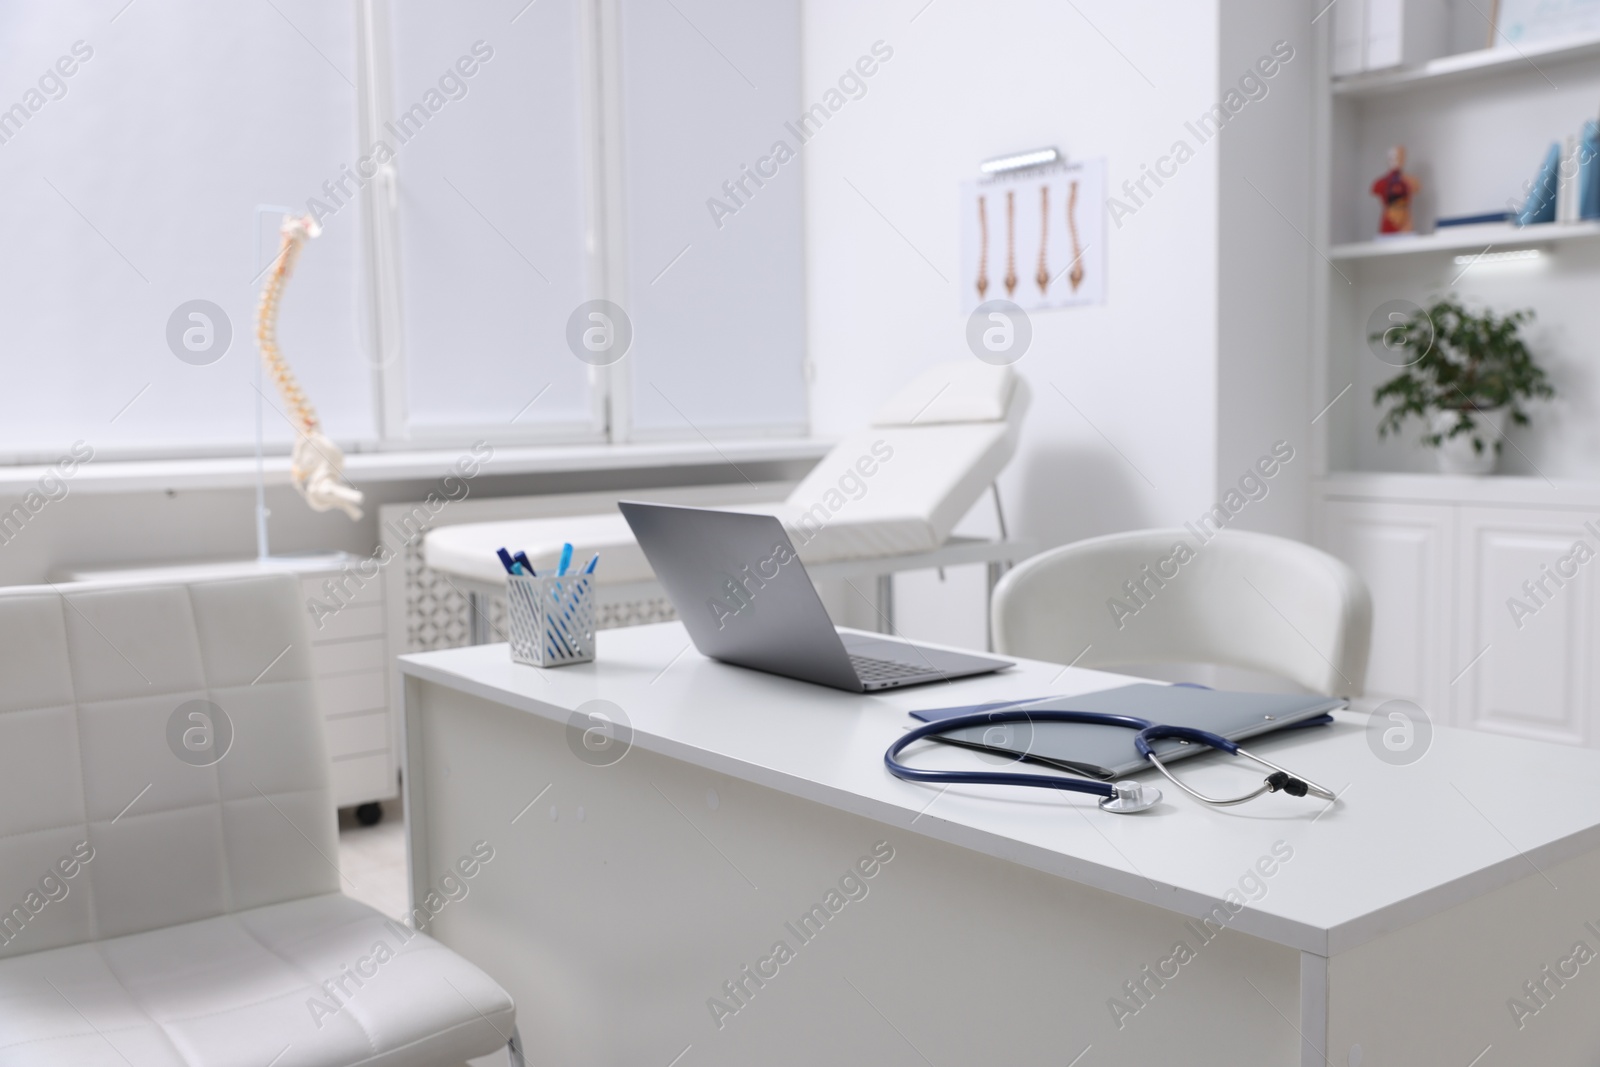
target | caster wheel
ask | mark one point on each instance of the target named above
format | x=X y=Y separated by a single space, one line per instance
x=369 y=814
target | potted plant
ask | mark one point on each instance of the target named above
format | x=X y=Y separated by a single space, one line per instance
x=1464 y=375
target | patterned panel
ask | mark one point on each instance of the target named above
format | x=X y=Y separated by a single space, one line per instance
x=636 y=612
x=436 y=611
x=437 y=614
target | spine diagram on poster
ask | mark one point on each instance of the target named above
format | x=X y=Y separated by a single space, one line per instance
x=1011 y=242
x=1076 y=275
x=983 y=249
x=1008 y=254
x=1043 y=275
x=316 y=464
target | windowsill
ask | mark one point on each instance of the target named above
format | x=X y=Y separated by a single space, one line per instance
x=236 y=472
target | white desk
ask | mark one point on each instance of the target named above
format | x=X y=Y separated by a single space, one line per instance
x=622 y=898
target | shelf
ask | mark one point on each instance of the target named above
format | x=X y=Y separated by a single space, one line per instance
x=1467 y=65
x=1582 y=495
x=1494 y=236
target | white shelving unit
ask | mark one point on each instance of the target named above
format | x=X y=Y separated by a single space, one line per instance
x=1447 y=557
x=1477 y=126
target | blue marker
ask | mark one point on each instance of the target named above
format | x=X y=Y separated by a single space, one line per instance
x=592 y=561
x=522 y=558
x=566 y=559
x=505 y=560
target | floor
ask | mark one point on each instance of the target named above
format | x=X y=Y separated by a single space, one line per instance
x=372 y=860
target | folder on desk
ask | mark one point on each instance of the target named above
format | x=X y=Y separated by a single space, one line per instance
x=1107 y=751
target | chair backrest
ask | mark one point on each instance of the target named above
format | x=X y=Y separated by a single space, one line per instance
x=933 y=448
x=1249 y=600
x=106 y=772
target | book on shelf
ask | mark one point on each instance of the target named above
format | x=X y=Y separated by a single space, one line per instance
x=1450 y=221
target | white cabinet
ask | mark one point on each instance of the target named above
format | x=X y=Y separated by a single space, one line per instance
x=349 y=658
x=1525 y=642
x=1404 y=552
x=1486 y=615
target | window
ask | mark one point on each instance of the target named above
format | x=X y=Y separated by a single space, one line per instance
x=717 y=309
x=131 y=186
x=493 y=218
x=481 y=171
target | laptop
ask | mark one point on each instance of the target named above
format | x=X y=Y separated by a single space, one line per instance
x=745 y=598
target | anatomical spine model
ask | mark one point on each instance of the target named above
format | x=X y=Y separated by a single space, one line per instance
x=316 y=464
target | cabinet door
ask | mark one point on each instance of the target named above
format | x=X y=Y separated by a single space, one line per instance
x=1403 y=552
x=1526 y=634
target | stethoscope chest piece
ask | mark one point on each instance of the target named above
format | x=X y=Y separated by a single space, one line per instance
x=1131 y=797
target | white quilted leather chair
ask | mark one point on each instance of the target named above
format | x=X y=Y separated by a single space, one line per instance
x=159 y=913
x=932 y=449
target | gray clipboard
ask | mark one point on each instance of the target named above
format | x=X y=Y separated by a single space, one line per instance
x=1107 y=751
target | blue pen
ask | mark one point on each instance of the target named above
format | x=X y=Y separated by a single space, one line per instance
x=516 y=568
x=566 y=559
x=592 y=561
x=505 y=560
x=522 y=558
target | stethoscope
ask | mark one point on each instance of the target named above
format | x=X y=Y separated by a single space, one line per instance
x=1124 y=797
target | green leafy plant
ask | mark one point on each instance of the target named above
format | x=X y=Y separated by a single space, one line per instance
x=1459 y=362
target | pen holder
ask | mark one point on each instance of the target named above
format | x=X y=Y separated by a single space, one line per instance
x=550 y=619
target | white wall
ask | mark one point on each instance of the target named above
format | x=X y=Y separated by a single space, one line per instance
x=1264 y=267
x=970 y=80
x=1144 y=440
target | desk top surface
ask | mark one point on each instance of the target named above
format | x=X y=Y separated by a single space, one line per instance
x=1477 y=811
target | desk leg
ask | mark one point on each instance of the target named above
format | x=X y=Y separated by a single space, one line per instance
x=886 y=603
x=1314 y=1010
x=477 y=619
x=995 y=569
x=412 y=791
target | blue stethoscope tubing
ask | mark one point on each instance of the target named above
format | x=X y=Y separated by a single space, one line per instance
x=1124 y=796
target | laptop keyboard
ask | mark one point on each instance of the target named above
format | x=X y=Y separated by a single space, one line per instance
x=870 y=670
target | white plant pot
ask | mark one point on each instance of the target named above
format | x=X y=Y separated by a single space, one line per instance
x=1456 y=454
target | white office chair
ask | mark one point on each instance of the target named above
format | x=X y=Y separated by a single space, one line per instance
x=161 y=913
x=1246 y=600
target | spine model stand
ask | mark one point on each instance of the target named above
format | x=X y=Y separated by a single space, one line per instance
x=983 y=249
x=317 y=464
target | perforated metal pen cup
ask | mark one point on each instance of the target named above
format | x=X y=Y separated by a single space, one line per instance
x=550 y=619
